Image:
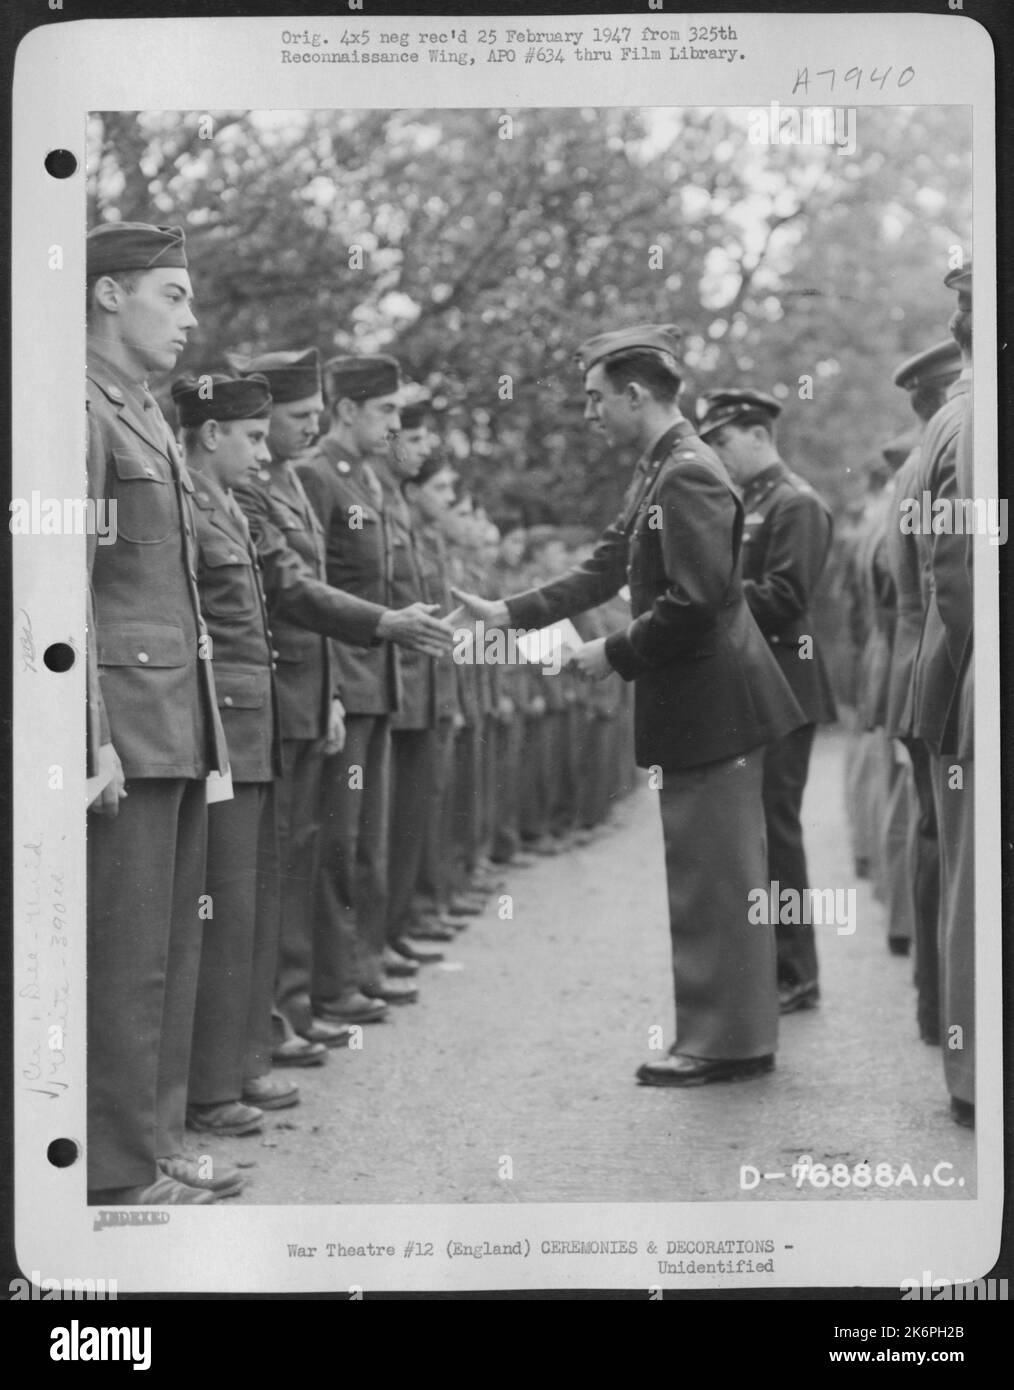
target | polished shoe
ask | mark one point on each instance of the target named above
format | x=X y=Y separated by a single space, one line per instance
x=353 y=1007
x=325 y=1033
x=545 y=844
x=397 y=965
x=411 y=951
x=298 y=1052
x=963 y=1113
x=431 y=929
x=899 y=945
x=792 y=998
x=226 y=1117
x=270 y=1093
x=466 y=906
x=392 y=991
x=163 y=1192
x=223 y=1180
x=679 y=1070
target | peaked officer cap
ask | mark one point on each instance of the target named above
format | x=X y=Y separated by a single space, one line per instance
x=938 y=365
x=716 y=409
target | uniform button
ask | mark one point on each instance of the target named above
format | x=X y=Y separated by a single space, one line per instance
x=233 y=559
x=143 y=656
x=275 y=655
x=227 y=700
x=202 y=496
x=150 y=471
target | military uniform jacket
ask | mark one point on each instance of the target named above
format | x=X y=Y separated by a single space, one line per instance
x=911 y=585
x=305 y=610
x=879 y=599
x=431 y=553
x=947 y=623
x=350 y=507
x=232 y=597
x=786 y=541
x=416 y=681
x=706 y=684
x=155 y=694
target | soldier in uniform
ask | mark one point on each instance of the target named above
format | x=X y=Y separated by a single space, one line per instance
x=350 y=984
x=225 y=428
x=926 y=377
x=709 y=697
x=937 y=682
x=159 y=732
x=786 y=542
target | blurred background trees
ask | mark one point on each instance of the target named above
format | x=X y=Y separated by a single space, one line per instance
x=482 y=258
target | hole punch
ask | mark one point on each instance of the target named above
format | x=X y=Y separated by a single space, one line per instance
x=60 y=164
x=63 y=1152
x=59 y=656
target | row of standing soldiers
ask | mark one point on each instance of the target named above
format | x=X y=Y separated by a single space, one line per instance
x=906 y=588
x=304 y=791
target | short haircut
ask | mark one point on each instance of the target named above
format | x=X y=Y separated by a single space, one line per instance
x=127 y=279
x=648 y=368
x=191 y=434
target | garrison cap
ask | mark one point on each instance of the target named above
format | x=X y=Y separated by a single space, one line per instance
x=663 y=338
x=361 y=378
x=727 y=406
x=936 y=366
x=216 y=396
x=121 y=246
x=416 y=404
x=291 y=376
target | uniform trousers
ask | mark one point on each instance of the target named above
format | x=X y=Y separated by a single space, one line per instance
x=506 y=826
x=239 y=950
x=297 y=817
x=413 y=806
x=351 y=922
x=534 y=789
x=899 y=811
x=600 y=762
x=433 y=885
x=956 y=825
x=715 y=854
x=145 y=879
x=924 y=876
x=786 y=766
x=464 y=828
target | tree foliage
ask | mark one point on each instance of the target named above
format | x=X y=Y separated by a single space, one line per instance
x=490 y=244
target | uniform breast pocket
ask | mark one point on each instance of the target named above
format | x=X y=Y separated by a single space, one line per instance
x=228 y=580
x=147 y=512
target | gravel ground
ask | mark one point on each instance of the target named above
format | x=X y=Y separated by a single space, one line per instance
x=519 y=1057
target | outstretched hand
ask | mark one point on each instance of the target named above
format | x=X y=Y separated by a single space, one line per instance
x=493 y=612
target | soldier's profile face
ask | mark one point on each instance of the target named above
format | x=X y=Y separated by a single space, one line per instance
x=736 y=448
x=153 y=319
x=608 y=410
x=294 y=426
x=435 y=495
x=415 y=445
x=376 y=421
x=242 y=451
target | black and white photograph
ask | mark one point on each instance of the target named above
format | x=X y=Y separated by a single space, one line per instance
x=515 y=616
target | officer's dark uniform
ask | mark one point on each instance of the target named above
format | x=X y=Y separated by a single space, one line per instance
x=347 y=497
x=156 y=705
x=786 y=541
x=937 y=368
x=305 y=611
x=708 y=697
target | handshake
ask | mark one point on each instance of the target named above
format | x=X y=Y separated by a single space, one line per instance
x=587 y=658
